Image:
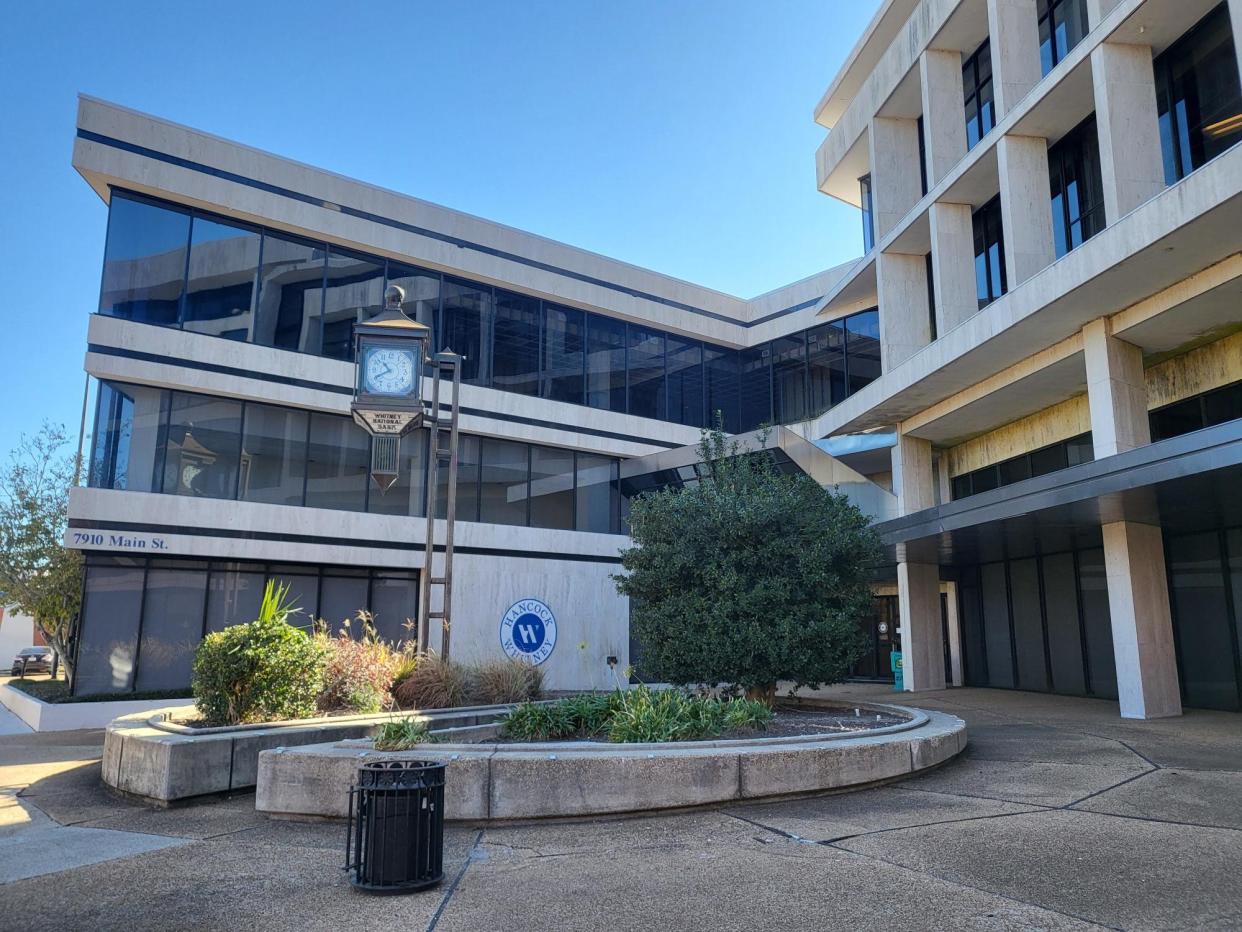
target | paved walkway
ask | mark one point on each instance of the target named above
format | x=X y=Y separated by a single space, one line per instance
x=1059 y=816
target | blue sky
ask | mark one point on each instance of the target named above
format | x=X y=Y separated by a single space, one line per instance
x=676 y=135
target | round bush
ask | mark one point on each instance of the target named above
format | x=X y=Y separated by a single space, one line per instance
x=263 y=671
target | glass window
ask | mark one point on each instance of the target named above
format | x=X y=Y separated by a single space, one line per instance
x=408 y=495
x=961 y=487
x=503 y=482
x=290 y=294
x=1015 y=470
x=645 y=362
x=973 y=649
x=1077 y=191
x=1064 y=634
x=1233 y=540
x=1176 y=419
x=1062 y=24
x=605 y=364
x=273 y=456
x=1097 y=624
x=551 y=488
x=467 y=481
x=756 y=386
x=394 y=605
x=922 y=156
x=144 y=262
x=721 y=386
x=989 y=253
x=1079 y=449
x=354 y=293
x=341 y=595
x=108 y=634
x=203 y=446
x=126 y=445
x=303 y=584
x=1222 y=405
x=868 y=221
x=224 y=264
x=862 y=349
x=515 y=359
x=564 y=332
x=1202 y=623
x=996 y=624
x=1049 y=459
x=977 y=91
x=598 y=493
x=789 y=379
x=172 y=626
x=1028 y=625
x=234 y=593
x=984 y=480
x=826 y=365
x=422 y=294
x=685 y=381
x=1198 y=97
x=338 y=464
x=466 y=328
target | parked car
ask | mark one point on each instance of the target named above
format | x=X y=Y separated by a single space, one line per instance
x=33 y=660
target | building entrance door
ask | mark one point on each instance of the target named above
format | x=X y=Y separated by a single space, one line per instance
x=880 y=630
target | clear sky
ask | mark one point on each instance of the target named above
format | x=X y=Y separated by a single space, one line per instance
x=674 y=134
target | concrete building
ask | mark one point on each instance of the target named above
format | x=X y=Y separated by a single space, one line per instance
x=1030 y=379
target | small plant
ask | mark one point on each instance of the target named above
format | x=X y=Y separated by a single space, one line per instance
x=262 y=671
x=360 y=671
x=434 y=683
x=510 y=680
x=401 y=734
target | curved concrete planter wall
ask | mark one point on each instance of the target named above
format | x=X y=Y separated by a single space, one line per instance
x=526 y=781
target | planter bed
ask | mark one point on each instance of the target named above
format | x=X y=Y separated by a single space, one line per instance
x=490 y=781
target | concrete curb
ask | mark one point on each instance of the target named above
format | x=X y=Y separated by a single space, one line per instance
x=69 y=716
x=507 y=781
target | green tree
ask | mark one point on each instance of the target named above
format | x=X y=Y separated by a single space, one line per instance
x=748 y=576
x=38 y=574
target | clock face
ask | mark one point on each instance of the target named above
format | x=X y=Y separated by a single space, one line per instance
x=388 y=370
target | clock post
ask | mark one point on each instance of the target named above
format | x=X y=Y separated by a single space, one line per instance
x=390 y=353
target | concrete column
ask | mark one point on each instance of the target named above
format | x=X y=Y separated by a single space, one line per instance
x=922 y=637
x=1026 y=213
x=895 y=179
x=1235 y=20
x=1131 y=163
x=905 y=316
x=1116 y=391
x=953 y=265
x=1138 y=604
x=1097 y=10
x=912 y=474
x=1013 y=26
x=944 y=116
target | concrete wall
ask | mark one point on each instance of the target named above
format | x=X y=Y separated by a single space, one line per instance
x=1059 y=422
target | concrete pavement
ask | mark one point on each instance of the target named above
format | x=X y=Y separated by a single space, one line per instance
x=1059 y=816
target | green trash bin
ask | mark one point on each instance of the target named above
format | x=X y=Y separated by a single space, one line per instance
x=894 y=662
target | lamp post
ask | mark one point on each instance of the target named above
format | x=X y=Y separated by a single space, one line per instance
x=390 y=356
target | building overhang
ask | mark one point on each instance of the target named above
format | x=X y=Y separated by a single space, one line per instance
x=1183 y=484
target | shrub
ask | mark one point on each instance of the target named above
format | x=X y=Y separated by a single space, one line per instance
x=402 y=734
x=748 y=576
x=359 y=672
x=510 y=680
x=259 y=672
x=639 y=715
x=434 y=683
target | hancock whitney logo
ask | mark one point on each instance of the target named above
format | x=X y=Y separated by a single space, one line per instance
x=528 y=629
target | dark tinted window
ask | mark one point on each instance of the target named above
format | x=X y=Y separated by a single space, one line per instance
x=203 y=447
x=862 y=349
x=826 y=365
x=515 y=364
x=273 y=461
x=172 y=626
x=1198 y=96
x=598 y=493
x=290 y=294
x=685 y=381
x=422 y=293
x=144 y=262
x=339 y=464
x=129 y=419
x=551 y=488
x=234 y=593
x=467 y=481
x=868 y=221
x=340 y=598
x=996 y=625
x=756 y=387
x=1201 y=615
x=1062 y=24
x=1097 y=626
x=605 y=364
x=1176 y=419
x=721 y=368
x=789 y=378
x=1077 y=191
x=355 y=293
x=977 y=91
x=503 y=482
x=111 y=608
x=1028 y=624
x=466 y=328
x=394 y=604
x=563 y=358
x=1064 y=633
x=224 y=265
x=646 y=372
x=989 y=253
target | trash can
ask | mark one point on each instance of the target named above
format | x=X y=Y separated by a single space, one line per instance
x=396 y=826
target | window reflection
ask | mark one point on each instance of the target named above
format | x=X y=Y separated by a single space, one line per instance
x=354 y=293
x=203 y=447
x=224 y=261
x=290 y=294
x=144 y=262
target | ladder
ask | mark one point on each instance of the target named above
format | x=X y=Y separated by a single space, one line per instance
x=442 y=445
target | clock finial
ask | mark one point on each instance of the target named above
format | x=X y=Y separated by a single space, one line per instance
x=394 y=295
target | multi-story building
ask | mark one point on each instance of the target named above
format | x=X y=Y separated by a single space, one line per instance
x=1030 y=379
x=1052 y=226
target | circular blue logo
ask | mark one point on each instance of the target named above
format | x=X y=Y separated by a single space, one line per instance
x=528 y=629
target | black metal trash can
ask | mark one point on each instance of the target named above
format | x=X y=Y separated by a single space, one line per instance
x=396 y=826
